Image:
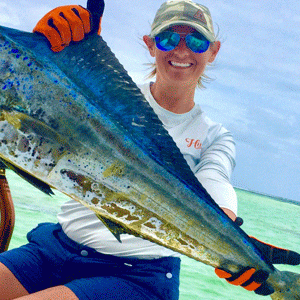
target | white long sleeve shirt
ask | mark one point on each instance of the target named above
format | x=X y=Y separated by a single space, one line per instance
x=209 y=150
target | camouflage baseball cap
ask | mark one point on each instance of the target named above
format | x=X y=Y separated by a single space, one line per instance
x=183 y=12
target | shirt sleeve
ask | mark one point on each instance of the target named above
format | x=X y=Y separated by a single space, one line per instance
x=215 y=168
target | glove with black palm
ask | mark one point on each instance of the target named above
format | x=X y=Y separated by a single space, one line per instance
x=256 y=280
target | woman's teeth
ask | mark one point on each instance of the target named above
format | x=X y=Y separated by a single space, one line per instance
x=182 y=65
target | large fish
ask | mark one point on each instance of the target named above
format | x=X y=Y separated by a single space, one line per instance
x=75 y=121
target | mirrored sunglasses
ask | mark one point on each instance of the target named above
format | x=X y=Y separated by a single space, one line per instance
x=169 y=40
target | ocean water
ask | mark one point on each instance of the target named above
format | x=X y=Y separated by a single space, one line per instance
x=266 y=218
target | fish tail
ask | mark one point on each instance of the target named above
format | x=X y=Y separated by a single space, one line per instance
x=288 y=287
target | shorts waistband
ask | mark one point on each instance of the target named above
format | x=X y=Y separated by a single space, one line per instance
x=83 y=250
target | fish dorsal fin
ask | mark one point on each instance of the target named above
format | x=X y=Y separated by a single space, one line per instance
x=126 y=105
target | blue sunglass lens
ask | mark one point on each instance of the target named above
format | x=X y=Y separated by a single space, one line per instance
x=168 y=40
x=197 y=42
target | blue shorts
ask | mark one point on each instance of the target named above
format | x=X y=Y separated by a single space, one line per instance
x=51 y=259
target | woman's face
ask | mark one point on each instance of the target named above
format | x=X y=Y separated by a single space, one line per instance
x=181 y=65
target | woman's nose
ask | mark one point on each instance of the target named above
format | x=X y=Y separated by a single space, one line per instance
x=182 y=48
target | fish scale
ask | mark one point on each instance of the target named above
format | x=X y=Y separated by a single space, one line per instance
x=76 y=122
x=140 y=126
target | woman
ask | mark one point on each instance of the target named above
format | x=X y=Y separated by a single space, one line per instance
x=79 y=258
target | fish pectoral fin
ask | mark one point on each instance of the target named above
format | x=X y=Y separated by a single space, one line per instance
x=2 y=165
x=45 y=188
x=113 y=227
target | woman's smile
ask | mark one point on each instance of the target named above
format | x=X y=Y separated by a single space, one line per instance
x=180 y=64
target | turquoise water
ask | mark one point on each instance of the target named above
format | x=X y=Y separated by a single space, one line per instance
x=265 y=218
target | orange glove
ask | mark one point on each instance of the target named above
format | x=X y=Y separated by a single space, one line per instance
x=70 y=23
x=248 y=278
x=253 y=280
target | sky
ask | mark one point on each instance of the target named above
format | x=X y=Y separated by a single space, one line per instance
x=255 y=91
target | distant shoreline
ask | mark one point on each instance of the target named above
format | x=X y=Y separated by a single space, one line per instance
x=280 y=199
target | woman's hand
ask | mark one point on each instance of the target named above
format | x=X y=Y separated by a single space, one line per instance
x=253 y=280
x=70 y=23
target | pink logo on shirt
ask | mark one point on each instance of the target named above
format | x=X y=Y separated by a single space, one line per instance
x=194 y=143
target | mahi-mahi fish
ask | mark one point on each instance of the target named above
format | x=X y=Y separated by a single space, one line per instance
x=74 y=121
